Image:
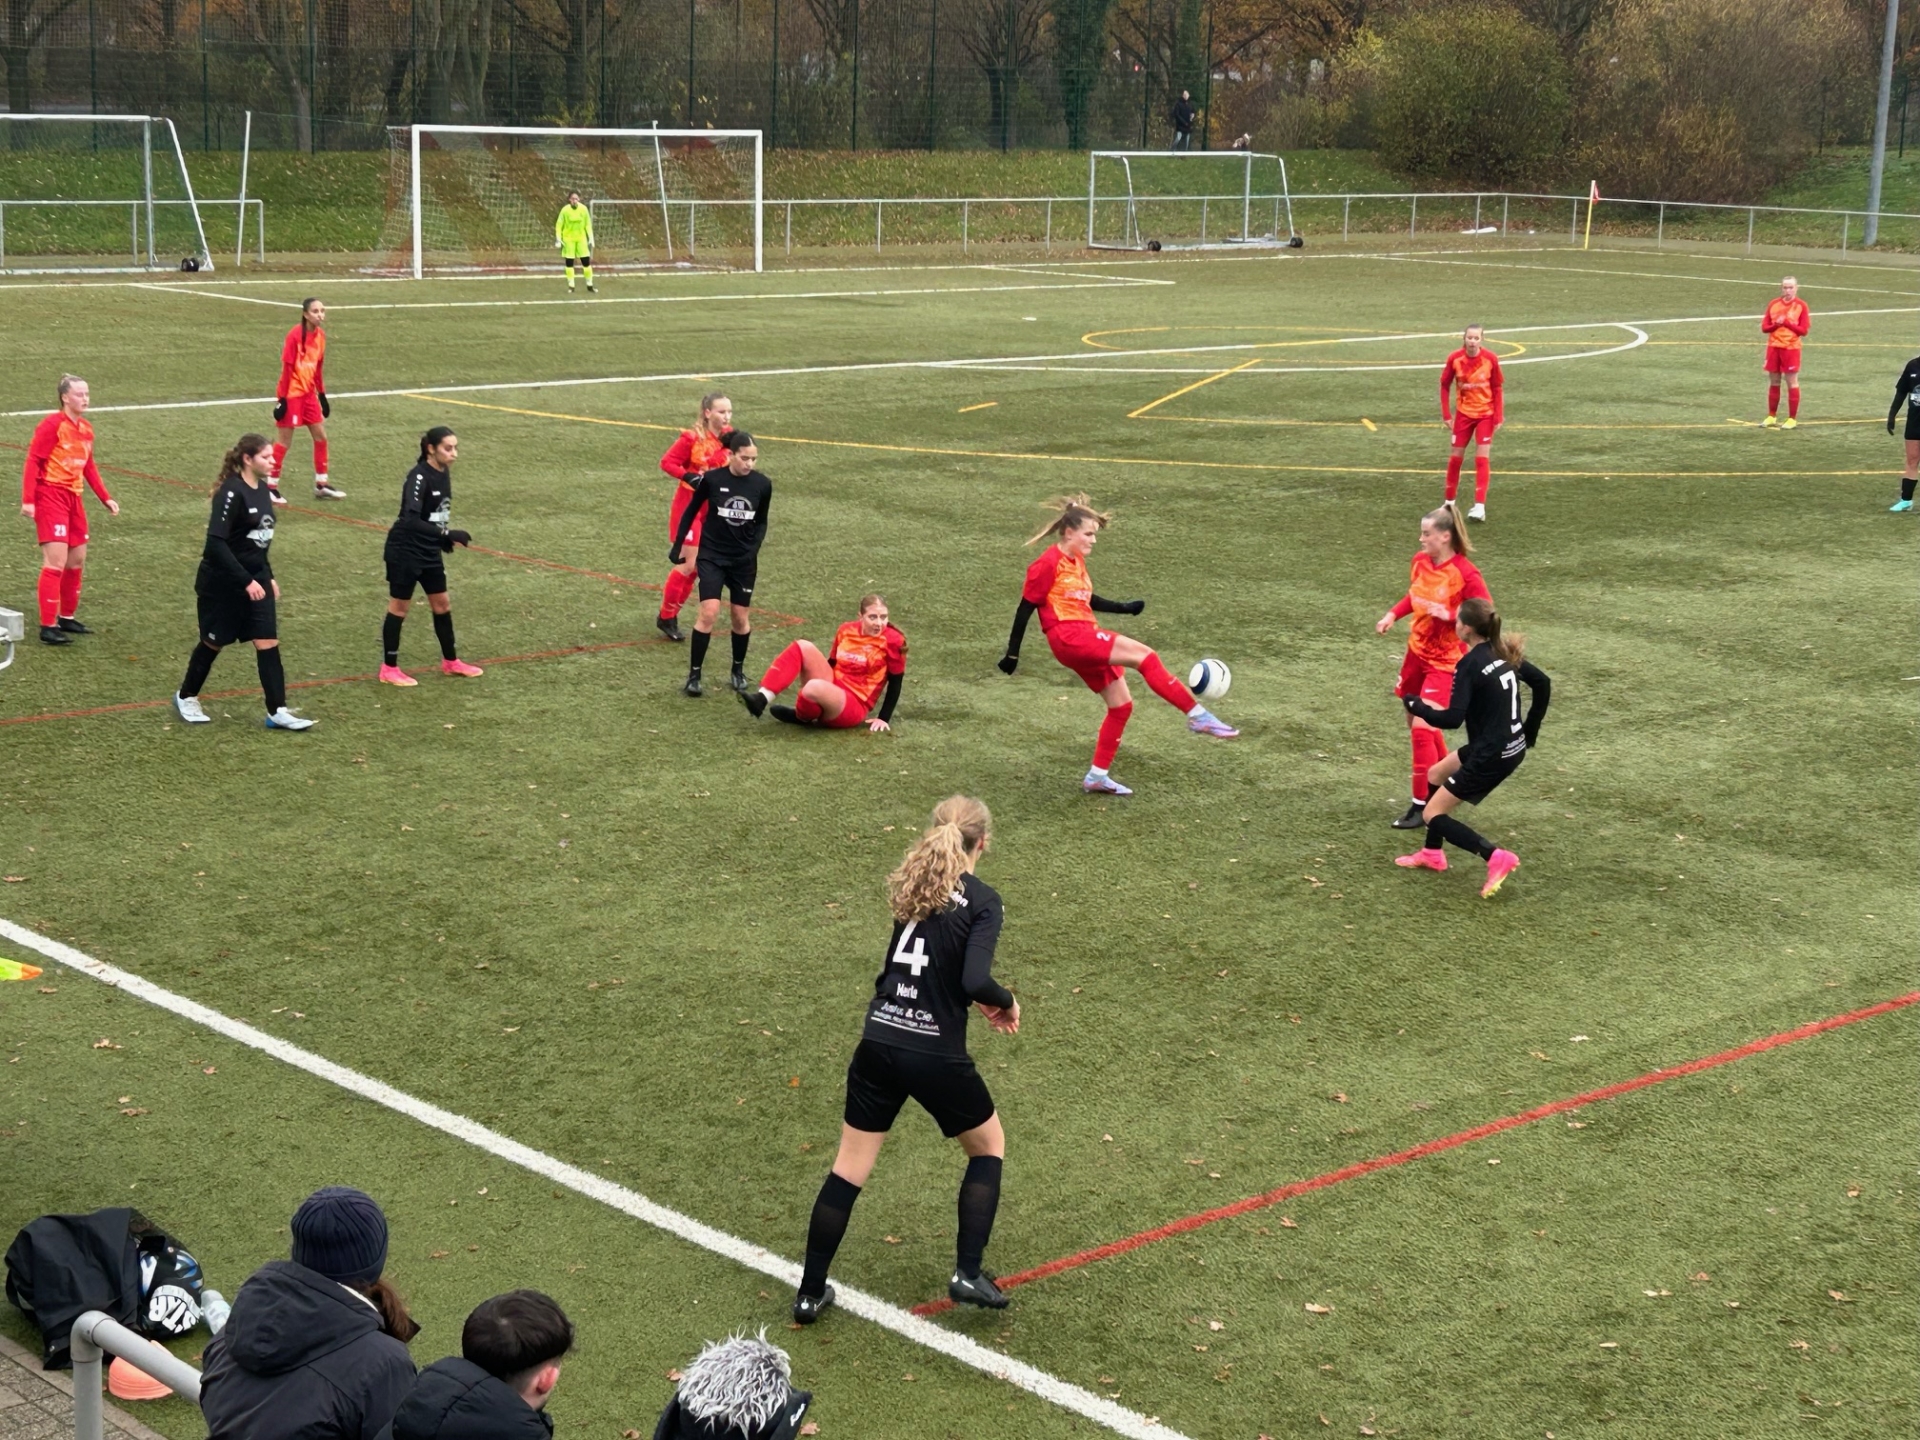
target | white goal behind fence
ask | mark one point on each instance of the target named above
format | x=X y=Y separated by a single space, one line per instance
x=1187 y=200
x=111 y=182
x=465 y=198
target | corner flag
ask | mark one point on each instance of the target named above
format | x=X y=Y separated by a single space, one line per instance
x=1593 y=199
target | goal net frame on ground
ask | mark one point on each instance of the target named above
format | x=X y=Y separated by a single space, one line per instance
x=142 y=206
x=660 y=148
x=1240 y=203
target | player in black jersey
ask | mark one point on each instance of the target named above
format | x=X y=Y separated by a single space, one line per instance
x=235 y=585
x=736 y=498
x=417 y=540
x=1907 y=391
x=939 y=963
x=1486 y=696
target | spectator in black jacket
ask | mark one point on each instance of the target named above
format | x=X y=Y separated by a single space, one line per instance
x=316 y=1346
x=1183 y=117
x=498 y=1386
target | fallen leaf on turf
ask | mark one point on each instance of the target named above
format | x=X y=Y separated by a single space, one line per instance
x=1539 y=1054
x=1325 y=1421
x=1313 y=1309
x=49 y=990
x=1369 y=1430
x=1494 y=1161
x=511 y=1030
x=1655 y=1294
x=104 y=1044
x=1853 y=1191
x=1700 y=1277
x=810 y=1428
x=439 y=1254
x=1339 y=1097
x=891 y=1239
x=674 y=1375
x=124 y=1100
x=1839 y=1295
x=630 y=1435
x=1215 y=1325
x=209 y=1069
x=1287 y=1222
x=908 y=1378
x=1609 y=1344
x=1200 y=1349
x=1108 y=1380
x=1579 y=1039
x=1107 y=1138
x=1733 y=1304
x=794 y=1083
x=1576 y=1124
x=473 y=1249
x=16 y=879
x=134 y=1110
x=1798 y=1345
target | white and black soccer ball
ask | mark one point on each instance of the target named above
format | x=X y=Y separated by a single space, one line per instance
x=1210 y=679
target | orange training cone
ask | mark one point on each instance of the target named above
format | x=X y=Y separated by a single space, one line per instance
x=127 y=1382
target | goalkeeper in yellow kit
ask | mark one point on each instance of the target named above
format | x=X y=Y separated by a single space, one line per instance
x=573 y=238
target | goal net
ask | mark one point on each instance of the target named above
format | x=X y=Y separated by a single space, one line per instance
x=96 y=194
x=1187 y=200
x=464 y=198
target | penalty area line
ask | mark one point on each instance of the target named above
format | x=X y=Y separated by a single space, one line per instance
x=913 y=1328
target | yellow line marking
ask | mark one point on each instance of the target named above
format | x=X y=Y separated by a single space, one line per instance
x=983 y=405
x=1126 y=460
x=1189 y=389
x=1092 y=337
x=1368 y=423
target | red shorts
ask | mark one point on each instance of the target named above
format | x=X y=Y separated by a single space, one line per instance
x=1466 y=428
x=1425 y=679
x=1086 y=650
x=59 y=517
x=682 y=494
x=302 y=410
x=851 y=714
x=1782 y=361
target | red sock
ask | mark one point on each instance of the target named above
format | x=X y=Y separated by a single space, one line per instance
x=319 y=460
x=784 y=670
x=1453 y=475
x=1111 y=728
x=674 y=594
x=1773 y=399
x=805 y=709
x=1482 y=472
x=1161 y=682
x=48 y=593
x=1428 y=747
x=279 y=454
x=1793 y=403
x=70 y=590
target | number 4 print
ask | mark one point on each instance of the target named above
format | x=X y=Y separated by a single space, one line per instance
x=914 y=958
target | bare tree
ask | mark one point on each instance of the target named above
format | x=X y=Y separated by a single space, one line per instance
x=457 y=47
x=1003 y=37
x=278 y=29
x=563 y=27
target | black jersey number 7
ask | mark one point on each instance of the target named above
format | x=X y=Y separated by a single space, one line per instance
x=914 y=958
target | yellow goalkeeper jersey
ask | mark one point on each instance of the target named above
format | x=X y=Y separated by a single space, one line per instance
x=574 y=225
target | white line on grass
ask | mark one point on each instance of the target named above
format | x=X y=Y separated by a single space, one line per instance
x=584 y=1182
x=1636 y=274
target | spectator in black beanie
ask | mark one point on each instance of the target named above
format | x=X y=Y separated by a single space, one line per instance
x=735 y=1389
x=497 y=1387
x=316 y=1346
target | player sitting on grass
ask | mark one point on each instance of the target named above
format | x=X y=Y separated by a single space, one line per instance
x=837 y=689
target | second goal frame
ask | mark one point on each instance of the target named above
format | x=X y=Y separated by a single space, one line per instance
x=1132 y=236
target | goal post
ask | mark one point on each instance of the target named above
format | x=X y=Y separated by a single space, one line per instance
x=1188 y=200
x=466 y=198
x=115 y=184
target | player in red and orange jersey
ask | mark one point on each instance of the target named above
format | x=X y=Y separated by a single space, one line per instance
x=1785 y=323
x=59 y=462
x=696 y=451
x=1057 y=586
x=837 y=689
x=1442 y=578
x=1481 y=410
x=301 y=398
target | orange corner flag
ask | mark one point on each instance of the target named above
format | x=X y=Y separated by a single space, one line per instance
x=1593 y=195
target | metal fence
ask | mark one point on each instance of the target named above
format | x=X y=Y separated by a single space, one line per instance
x=95 y=1336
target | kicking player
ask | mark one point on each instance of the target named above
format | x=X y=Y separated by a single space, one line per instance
x=1481 y=410
x=1486 y=696
x=59 y=462
x=1785 y=323
x=696 y=451
x=416 y=543
x=301 y=399
x=235 y=588
x=837 y=689
x=1907 y=391
x=737 y=496
x=573 y=238
x=1057 y=586
x=939 y=963
x=1443 y=577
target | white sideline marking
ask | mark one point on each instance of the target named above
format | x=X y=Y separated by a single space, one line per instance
x=1412 y=258
x=618 y=1197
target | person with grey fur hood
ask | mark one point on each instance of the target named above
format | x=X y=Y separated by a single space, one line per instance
x=739 y=1388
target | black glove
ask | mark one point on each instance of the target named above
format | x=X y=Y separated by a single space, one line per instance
x=1410 y=701
x=1133 y=607
x=326 y=410
x=1009 y=663
x=674 y=556
x=453 y=538
x=1889 y=426
x=280 y=409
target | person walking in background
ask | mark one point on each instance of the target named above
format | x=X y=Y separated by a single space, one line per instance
x=1183 y=117
x=498 y=1386
x=1785 y=324
x=59 y=462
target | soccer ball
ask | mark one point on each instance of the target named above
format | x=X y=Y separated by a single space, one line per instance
x=1210 y=679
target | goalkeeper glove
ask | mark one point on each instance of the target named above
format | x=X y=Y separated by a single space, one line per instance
x=1009 y=663
x=280 y=409
x=1133 y=607
x=453 y=538
x=674 y=556
x=326 y=410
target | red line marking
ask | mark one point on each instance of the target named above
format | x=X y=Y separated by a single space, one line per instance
x=1433 y=1147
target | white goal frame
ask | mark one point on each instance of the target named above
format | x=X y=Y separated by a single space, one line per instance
x=141 y=205
x=758 y=201
x=1132 y=237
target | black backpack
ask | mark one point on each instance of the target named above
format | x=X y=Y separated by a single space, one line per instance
x=116 y=1261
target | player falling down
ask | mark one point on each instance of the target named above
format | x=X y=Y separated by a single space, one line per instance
x=939 y=964
x=694 y=453
x=837 y=689
x=301 y=399
x=1057 y=586
x=1486 y=697
x=1785 y=324
x=1480 y=410
x=1907 y=391
x=417 y=543
x=573 y=238
x=59 y=463
x=235 y=590
x=736 y=498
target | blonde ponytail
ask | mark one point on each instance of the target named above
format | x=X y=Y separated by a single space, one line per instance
x=930 y=873
x=1071 y=513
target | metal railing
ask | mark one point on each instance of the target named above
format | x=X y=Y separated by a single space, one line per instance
x=95 y=1336
x=134 y=207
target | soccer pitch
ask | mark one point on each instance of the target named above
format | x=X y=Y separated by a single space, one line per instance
x=634 y=933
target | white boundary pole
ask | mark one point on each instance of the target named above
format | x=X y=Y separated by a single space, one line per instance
x=146 y=176
x=240 y=235
x=759 y=199
x=660 y=178
x=193 y=205
x=413 y=197
x=1093 y=174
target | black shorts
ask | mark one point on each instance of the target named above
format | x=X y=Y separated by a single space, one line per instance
x=1473 y=782
x=735 y=576
x=406 y=571
x=1913 y=422
x=882 y=1078
x=228 y=615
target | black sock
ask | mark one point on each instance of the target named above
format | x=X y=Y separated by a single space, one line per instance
x=199 y=664
x=1906 y=488
x=443 y=630
x=740 y=643
x=979 y=1199
x=1450 y=829
x=273 y=677
x=390 y=637
x=697 y=651
x=831 y=1212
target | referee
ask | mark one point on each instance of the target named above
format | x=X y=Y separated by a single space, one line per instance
x=914 y=1046
x=1907 y=392
x=735 y=498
